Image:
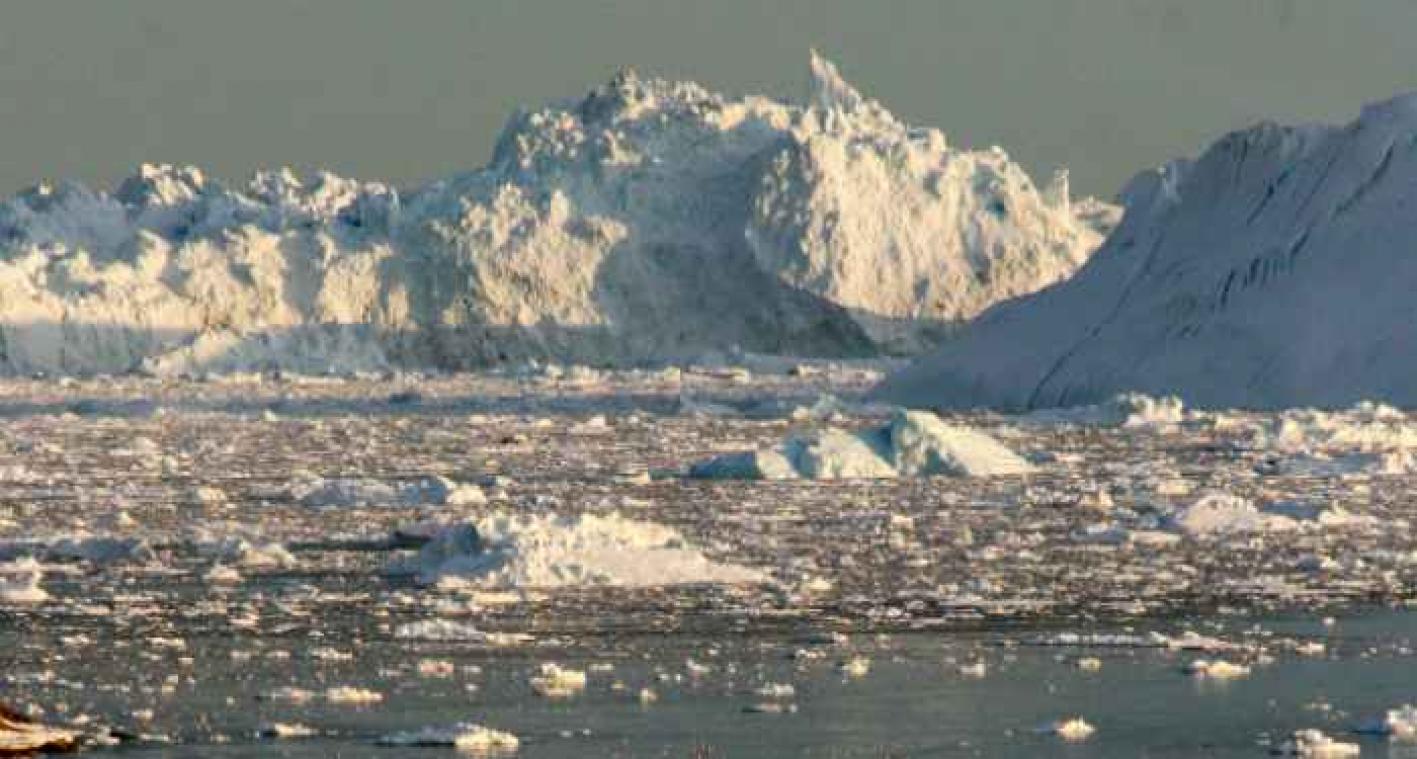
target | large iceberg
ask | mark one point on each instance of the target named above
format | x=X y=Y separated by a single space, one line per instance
x=1276 y=270
x=649 y=220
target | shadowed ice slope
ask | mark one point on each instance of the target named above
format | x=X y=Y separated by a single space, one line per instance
x=1278 y=269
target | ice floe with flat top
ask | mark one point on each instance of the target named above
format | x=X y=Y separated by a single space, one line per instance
x=549 y=551
x=912 y=444
x=463 y=736
x=344 y=492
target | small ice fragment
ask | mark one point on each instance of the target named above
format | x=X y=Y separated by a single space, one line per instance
x=858 y=666
x=777 y=691
x=221 y=574
x=22 y=736
x=287 y=730
x=19 y=582
x=1314 y=744
x=345 y=694
x=1073 y=729
x=1216 y=669
x=289 y=694
x=554 y=681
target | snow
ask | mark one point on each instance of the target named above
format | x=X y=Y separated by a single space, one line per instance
x=516 y=551
x=649 y=219
x=1274 y=271
x=912 y=444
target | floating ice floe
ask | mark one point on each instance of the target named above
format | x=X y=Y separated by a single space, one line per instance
x=287 y=730
x=554 y=681
x=1221 y=514
x=1131 y=410
x=1073 y=729
x=19 y=582
x=320 y=492
x=1217 y=669
x=439 y=630
x=546 y=551
x=22 y=736
x=345 y=694
x=1315 y=745
x=1365 y=428
x=463 y=736
x=1398 y=724
x=1368 y=439
x=248 y=554
x=101 y=550
x=913 y=444
x=856 y=666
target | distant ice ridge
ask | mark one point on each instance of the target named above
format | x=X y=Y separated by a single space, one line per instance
x=913 y=444
x=1276 y=270
x=547 y=551
x=648 y=220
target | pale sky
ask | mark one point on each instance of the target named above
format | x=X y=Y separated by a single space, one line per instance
x=411 y=90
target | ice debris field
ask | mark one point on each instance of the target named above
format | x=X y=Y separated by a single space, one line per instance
x=538 y=560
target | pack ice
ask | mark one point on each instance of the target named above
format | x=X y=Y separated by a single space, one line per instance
x=649 y=220
x=1276 y=270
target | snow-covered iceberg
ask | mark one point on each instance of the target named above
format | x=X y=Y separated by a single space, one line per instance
x=648 y=220
x=913 y=444
x=1276 y=270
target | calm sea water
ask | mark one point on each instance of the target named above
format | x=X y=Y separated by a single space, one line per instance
x=913 y=702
